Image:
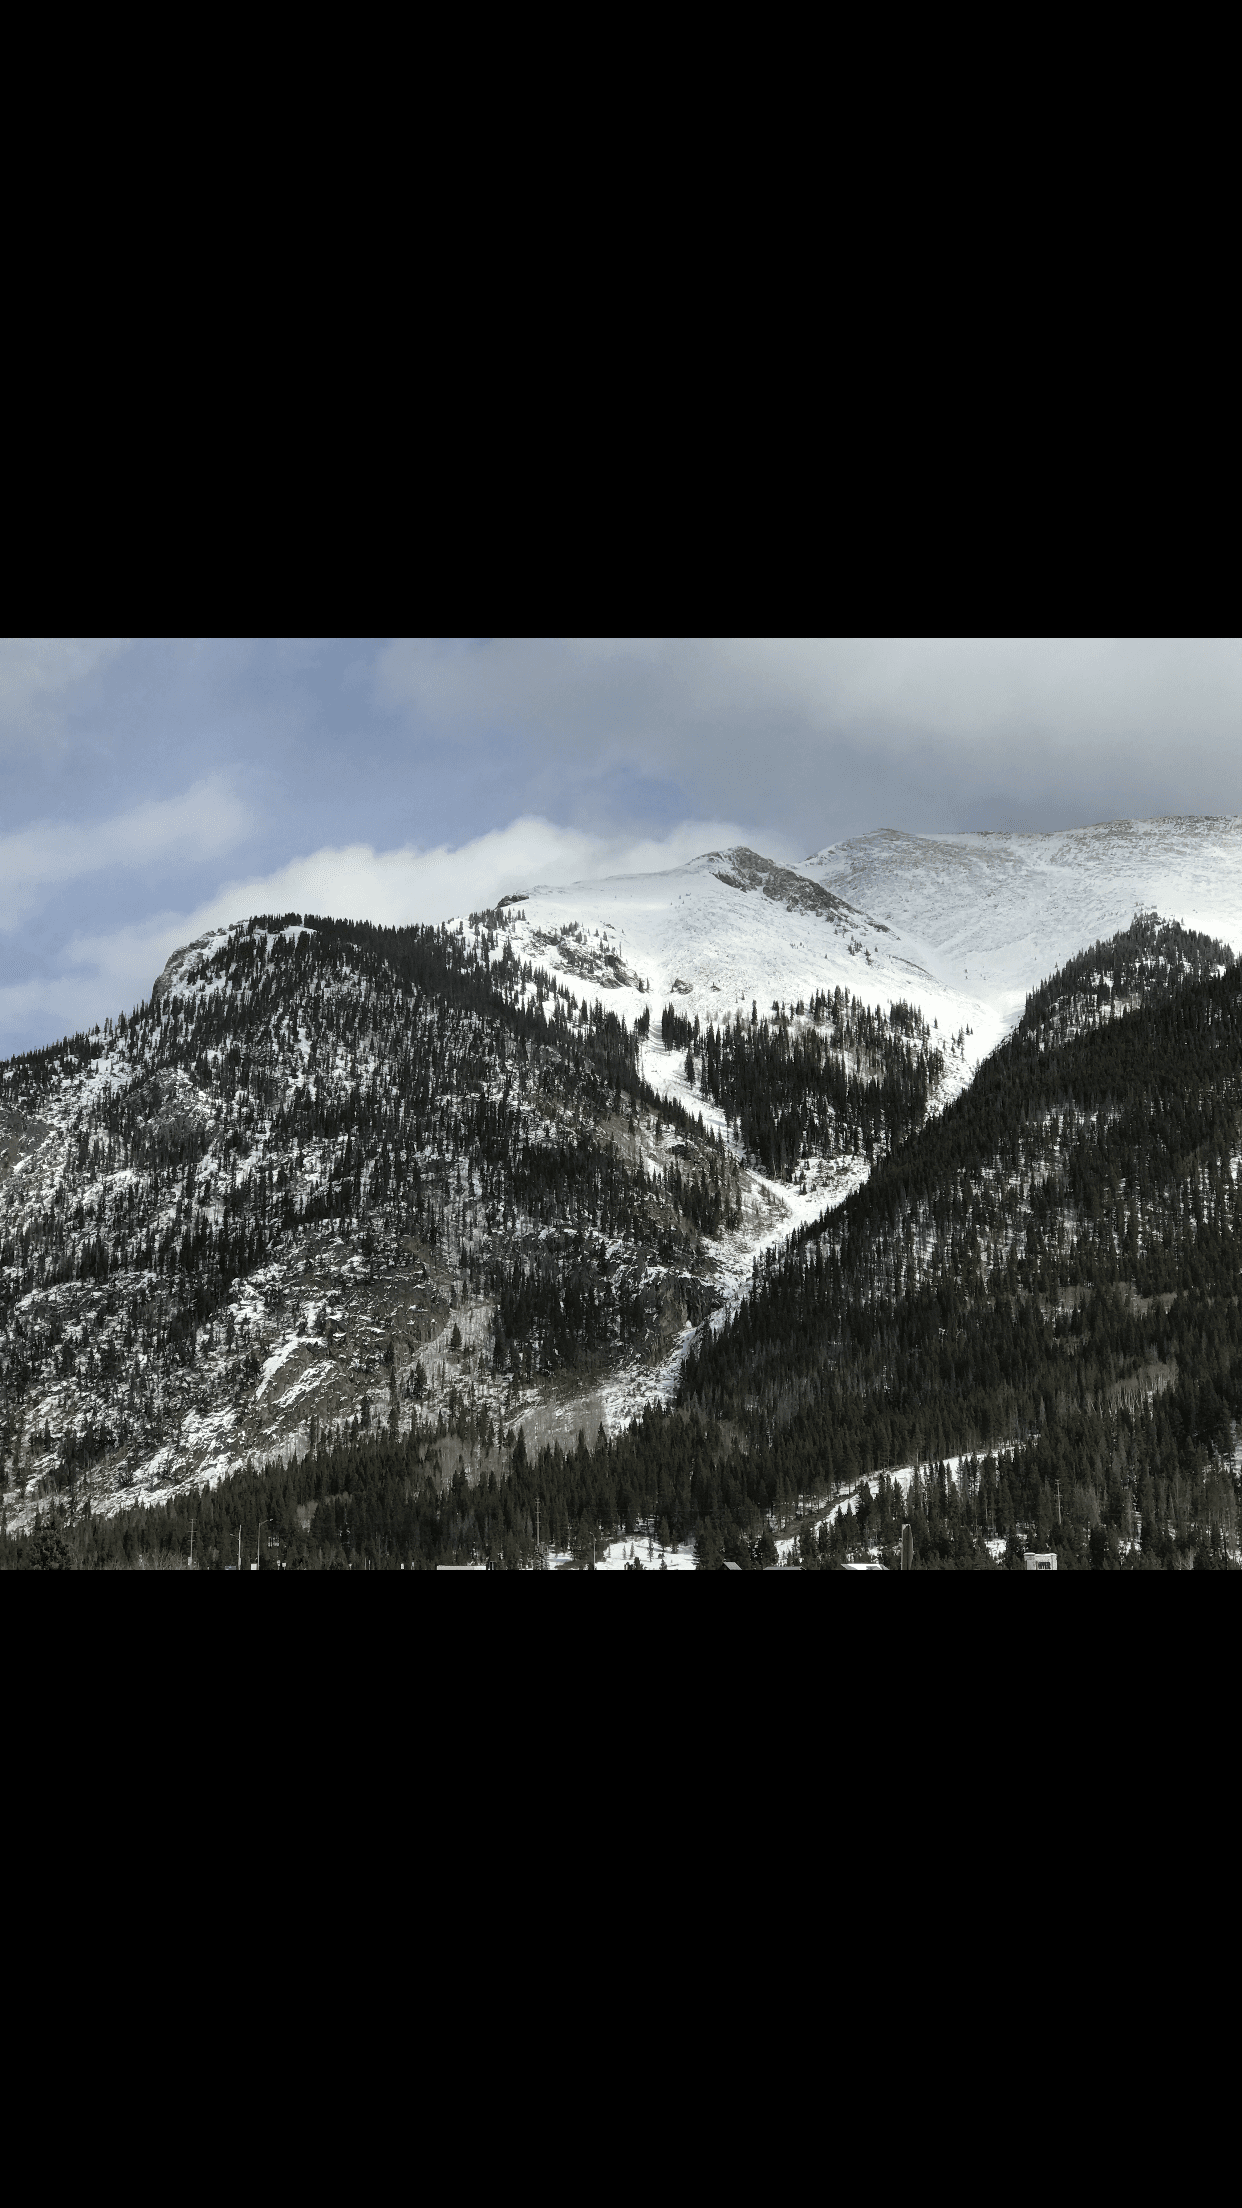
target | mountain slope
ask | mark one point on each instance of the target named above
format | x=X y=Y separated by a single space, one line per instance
x=1045 y=1277
x=443 y=1183
x=989 y=916
x=332 y=1174
x=1033 y=1303
x=964 y=926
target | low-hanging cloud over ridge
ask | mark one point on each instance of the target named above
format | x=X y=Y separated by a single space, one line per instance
x=109 y=972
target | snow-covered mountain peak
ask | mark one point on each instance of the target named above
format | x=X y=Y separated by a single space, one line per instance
x=726 y=929
x=964 y=925
x=991 y=914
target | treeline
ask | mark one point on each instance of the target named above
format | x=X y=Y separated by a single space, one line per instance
x=26 y=1077
x=374 y=1501
x=854 y=1081
x=1148 y=962
x=1060 y=1244
x=1106 y=1489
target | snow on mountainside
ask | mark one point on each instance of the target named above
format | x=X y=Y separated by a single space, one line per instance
x=327 y=1163
x=729 y=930
x=963 y=925
x=989 y=916
x=283 y=1192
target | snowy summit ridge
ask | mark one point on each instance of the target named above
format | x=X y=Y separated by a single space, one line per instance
x=966 y=925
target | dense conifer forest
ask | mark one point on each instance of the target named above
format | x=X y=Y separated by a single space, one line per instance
x=1045 y=1281
x=852 y=1079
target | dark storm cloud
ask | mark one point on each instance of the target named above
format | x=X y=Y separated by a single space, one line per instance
x=821 y=740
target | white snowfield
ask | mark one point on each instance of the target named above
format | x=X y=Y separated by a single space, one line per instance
x=990 y=916
x=961 y=925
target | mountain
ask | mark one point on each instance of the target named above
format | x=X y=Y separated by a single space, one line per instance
x=330 y=1176
x=1041 y=1286
x=337 y=1190
x=990 y=915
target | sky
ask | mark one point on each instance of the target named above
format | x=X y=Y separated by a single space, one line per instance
x=149 y=790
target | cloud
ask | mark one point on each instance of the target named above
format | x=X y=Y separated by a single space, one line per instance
x=334 y=749
x=109 y=973
x=204 y=822
x=919 y=733
x=394 y=888
x=956 y=688
x=37 y=671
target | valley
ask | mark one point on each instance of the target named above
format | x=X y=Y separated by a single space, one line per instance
x=746 y=1144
